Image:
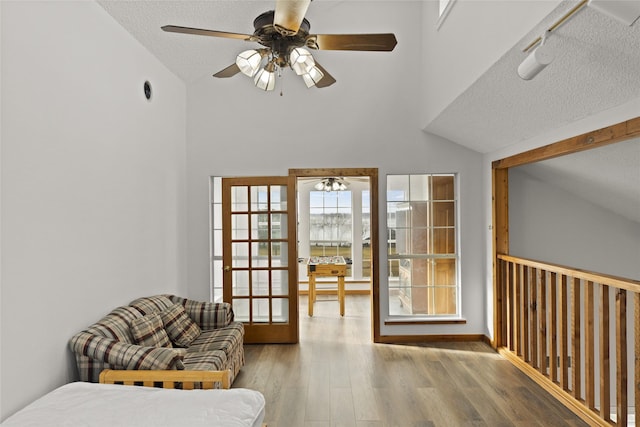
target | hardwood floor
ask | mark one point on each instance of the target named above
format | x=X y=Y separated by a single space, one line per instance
x=335 y=376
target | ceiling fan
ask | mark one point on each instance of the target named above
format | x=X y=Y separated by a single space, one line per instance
x=284 y=33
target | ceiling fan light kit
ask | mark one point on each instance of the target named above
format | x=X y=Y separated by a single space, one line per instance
x=249 y=62
x=265 y=79
x=284 y=33
x=301 y=60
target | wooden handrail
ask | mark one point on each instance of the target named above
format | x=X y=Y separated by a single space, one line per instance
x=614 y=281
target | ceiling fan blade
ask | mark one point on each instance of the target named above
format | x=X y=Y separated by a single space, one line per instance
x=201 y=32
x=370 y=42
x=289 y=15
x=230 y=71
x=325 y=81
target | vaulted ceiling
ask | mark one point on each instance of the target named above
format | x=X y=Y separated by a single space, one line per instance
x=596 y=67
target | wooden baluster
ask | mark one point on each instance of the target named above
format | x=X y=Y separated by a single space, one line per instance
x=511 y=302
x=515 y=324
x=541 y=279
x=553 y=326
x=636 y=327
x=576 y=357
x=589 y=347
x=605 y=381
x=563 y=336
x=621 y=357
x=525 y=313
x=533 y=316
x=504 y=299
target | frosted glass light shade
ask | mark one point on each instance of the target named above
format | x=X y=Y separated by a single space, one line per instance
x=301 y=61
x=313 y=76
x=265 y=79
x=249 y=62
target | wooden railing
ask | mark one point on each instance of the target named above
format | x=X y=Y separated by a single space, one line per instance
x=575 y=332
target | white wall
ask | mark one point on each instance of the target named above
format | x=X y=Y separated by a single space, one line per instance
x=472 y=38
x=233 y=130
x=92 y=184
x=549 y=224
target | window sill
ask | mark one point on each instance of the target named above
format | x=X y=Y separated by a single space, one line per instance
x=425 y=321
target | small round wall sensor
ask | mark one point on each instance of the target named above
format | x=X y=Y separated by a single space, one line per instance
x=147 y=90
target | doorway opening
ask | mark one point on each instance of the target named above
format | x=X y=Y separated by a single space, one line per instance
x=337 y=217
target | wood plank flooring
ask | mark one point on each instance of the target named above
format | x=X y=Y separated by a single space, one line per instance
x=337 y=377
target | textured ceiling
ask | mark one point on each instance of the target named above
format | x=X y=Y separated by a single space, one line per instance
x=596 y=67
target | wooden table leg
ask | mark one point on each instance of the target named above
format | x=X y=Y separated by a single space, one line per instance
x=341 y=294
x=312 y=293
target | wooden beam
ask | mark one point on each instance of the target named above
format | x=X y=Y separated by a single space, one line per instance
x=500 y=234
x=594 y=139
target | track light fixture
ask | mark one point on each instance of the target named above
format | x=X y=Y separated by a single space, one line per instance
x=540 y=57
x=536 y=61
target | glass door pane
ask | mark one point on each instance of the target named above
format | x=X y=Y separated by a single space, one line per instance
x=261 y=252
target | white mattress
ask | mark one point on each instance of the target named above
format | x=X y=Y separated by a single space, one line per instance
x=97 y=405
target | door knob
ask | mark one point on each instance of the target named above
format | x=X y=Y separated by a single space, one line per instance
x=227 y=268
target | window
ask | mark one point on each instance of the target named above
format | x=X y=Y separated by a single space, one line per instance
x=330 y=223
x=215 y=203
x=366 y=235
x=422 y=248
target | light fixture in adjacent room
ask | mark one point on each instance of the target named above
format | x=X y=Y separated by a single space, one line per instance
x=331 y=184
x=536 y=61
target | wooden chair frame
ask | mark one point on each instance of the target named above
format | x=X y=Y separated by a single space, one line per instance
x=168 y=379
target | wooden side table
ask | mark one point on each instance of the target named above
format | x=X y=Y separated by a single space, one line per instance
x=319 y=268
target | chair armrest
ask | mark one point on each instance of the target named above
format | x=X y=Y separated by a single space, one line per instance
x=189 y=379
x=207 y=315
x=124 y=355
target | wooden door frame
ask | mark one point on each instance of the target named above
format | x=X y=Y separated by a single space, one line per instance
x=500 y=196
x=372 y=174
